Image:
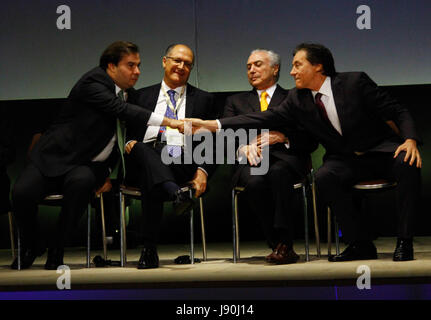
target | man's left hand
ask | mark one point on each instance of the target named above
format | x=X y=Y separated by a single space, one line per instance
x=199 y=182
x=412 y=152
x=107 y=186
x=270 y=138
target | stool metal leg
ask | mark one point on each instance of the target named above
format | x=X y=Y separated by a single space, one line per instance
x=11 y=235
x=192 y=247
x=18 y=237
x=337 y=237
x=102 y=215
x=316 y=221
x=204 y=244
x=329 y=231
x=307 y=248
x=236 y=253
x=88 y=233
x=122 y=230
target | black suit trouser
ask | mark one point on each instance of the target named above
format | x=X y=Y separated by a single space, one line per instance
x=334 y=181
x=270 y=198
x=32 y=187
x=147 y=171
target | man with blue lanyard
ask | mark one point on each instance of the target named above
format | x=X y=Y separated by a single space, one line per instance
x=158 y=181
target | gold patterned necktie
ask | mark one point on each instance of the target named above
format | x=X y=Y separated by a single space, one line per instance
x=263 y=101
x=121 y=135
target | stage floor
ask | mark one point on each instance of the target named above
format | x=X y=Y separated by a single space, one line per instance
x=219 y=272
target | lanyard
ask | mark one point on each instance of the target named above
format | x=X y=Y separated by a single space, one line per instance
x=169 y=102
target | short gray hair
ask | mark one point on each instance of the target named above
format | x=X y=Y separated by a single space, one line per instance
x=274 y=59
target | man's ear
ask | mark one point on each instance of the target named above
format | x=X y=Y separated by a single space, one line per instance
x=110 y=69
x=164 y=62
x=318 y=68
x=276 y=70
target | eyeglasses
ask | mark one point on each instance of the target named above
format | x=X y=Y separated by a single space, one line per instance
x=178 y=61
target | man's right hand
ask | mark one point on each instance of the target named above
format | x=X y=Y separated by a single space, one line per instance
x=129 y=146
x=174 y=124
x=199 y=124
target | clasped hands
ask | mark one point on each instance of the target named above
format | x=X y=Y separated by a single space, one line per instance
x=253 y=151
x=191 y=125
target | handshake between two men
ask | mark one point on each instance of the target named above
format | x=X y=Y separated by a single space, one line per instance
x=253 y=150
x=191 y=125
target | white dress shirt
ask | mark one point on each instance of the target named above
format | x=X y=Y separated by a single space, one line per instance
x=162 y=104
x=160 y=110
x=329 y=103
x=269 y=91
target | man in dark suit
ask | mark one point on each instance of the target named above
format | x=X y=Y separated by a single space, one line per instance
x=347 y=114
x=270 y=195
x=159 y=181
x=77 y=153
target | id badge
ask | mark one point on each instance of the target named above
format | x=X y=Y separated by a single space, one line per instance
x=174 y=137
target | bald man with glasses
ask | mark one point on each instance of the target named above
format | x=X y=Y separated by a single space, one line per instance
x=175 y=98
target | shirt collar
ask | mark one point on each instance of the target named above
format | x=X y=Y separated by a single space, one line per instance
x=178 y=90
x=269 y=90
x=118 y=89
x=325 y=89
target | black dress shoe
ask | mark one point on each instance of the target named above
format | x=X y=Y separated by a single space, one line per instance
x=27 y=258
x=356 y=251
x=149 y=259
x=270 y=258
x=182 y=203
x=283 y=255
x=55 y=258
x=404 y=250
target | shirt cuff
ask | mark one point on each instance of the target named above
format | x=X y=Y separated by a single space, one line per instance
x=127 y=143
x=239 y=156
x=203 y=170
x=218 y=124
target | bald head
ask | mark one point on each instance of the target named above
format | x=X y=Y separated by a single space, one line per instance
x=178 y=63
x=169 y=49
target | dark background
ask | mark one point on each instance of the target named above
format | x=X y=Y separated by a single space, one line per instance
x=39 y=65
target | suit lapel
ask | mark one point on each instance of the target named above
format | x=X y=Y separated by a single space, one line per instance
x=313 y=115
x=253 y=101
x=276 y=99
x=153 y=96
x=337 y=92
x=190 y=101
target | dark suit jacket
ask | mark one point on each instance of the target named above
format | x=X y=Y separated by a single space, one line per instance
x=362 y=108
x=301 y=144
x=199 y=104
x=85 y=125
